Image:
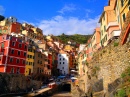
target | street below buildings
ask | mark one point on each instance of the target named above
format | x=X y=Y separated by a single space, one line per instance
x=62 y=94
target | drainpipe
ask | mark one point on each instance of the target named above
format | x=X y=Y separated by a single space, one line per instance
x=7 y=54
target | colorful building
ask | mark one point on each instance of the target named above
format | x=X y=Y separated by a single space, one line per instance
x=108 y=15
x=95 y=40
x=13 y=54
x=89 y=51
x=63 y=62
x=38 y=32
x=30 y=58
x=124 y=7
x=39 y=62
x=125 y=33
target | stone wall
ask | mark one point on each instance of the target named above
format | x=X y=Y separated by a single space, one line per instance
x=108 y=64
x=11 y=83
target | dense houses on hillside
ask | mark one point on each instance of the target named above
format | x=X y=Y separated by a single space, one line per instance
x=26 y=50
x=114 y=24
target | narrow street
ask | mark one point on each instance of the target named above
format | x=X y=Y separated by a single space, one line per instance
x=62 y=94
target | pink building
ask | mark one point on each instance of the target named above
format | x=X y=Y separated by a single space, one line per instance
x=113 y=31
x=13 y=51
x=96 y=40
x=89 y=51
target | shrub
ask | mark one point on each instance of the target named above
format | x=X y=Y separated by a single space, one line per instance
x=121 y=93
x=123 y=75
x=116 y=44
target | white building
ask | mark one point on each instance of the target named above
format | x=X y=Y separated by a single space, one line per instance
x=63 y=63
x=12 y=19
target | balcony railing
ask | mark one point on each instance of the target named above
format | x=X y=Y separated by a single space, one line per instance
x=111 y=24
x=116 y=33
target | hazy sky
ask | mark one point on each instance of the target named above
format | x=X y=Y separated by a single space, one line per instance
x=56 y=16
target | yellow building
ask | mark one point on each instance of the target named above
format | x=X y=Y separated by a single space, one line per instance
x=108 y=15
x=30 y=59
x=124 y=7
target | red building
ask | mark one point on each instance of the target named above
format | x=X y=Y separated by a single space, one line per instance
x=50 y=61
x=15 y=27
x=13 y=51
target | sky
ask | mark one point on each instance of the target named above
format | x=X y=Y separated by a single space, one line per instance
x=56 y=16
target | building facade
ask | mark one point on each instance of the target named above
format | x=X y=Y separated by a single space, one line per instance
x=13 y=54
x=63 y=63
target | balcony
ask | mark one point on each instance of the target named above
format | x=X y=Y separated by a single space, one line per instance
x=116 y=33
x=111 y=24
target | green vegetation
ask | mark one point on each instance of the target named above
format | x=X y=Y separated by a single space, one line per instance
x=126 y=74
x=123 y=75
x=116 y=44
x=81 y=39
x=121 y=93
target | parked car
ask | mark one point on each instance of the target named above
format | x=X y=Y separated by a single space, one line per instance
x=44 y=86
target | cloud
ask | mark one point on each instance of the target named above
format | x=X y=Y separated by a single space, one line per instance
x=67 y=8
x=88 y=11
x=72 y=25
x=2 y=10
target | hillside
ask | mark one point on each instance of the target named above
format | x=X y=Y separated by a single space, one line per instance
x=81 y=39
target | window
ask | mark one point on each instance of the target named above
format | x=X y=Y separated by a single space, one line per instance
x=12 y=51
x=104 y=28
x=3 y=37
x=38 y=55
x=104 y=17
x=24 y=54
x=26 y=62
x=60 y=62
x=0 y=58
x=118 y=19
x=17 y=61
x=63 y=58
x=12 y=70
x=11 y=60
x=122 y=3
x=2 y=45
x=20 y=45
x=63 y=62
x=25 y=47
x=23 y=61
x=38 y=61
x=19 y=53
x=62 y=67
x=18 y=70
x=13 y=43
x=123 y=17
x=60 y=58
x=28 y=56
x=129 y=7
